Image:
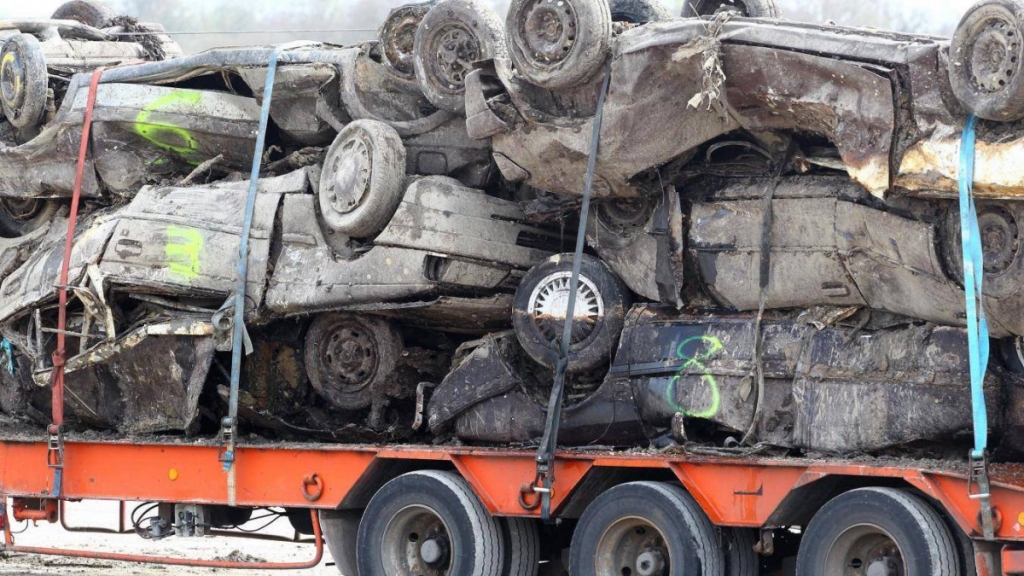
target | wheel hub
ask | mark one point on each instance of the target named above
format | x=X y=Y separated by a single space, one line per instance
x=651 y=562
x=456 y=50
x=865 y=550
x=348 y=175
x=416 y=543
x=12 y=79
x=883 y=567
x=350 y=355
x=633 y=546
x=625 y=216
x=434 y=551
x=994 y=56
x=549 y=28
x=549 y=301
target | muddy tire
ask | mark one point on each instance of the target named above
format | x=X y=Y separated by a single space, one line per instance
x=19 y=217
x=986 y=66
x=748 y=8
x=740 y=557
x=538 y=312
x=363 y=179
x=453 y=35
x=340 y=530
x=88 y=12
x=23 y=81
x=558 y=45
x=639 y=11
x=397 y=38
x=348 y=356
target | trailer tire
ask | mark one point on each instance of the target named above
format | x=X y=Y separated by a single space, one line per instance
x=645 y=522
x=542 y=295
x=748 y=8
x=986 y=68
x=363 y=179
x=558 y=47
x=341 y=528
x=24 y=81
x=428 y=517
x=740 y=557
x=878 y=525
x=88 y=12
x=522 y=546
x=453 y=35
x=639 y=11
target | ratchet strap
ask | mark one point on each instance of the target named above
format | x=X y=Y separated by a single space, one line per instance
x=543 y=484
x=977 y=326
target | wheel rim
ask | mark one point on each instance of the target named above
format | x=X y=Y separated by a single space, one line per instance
x=632 y=546
x=13 y=78
x=995 y=54
x=455 y=47
x=547 y=30
x=1000 y=238
x=548 y=304
x=398 y=38
x=625 y=216
x=865 y=550
x=349 y=356
x=417 y=542
x=347 y=174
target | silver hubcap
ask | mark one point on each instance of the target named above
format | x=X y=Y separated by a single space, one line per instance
x=549 y=303
x=416 y=542
x=865 y=550
x=632 y=546
x=347 y=175
x=549 y=29
x=994 y=55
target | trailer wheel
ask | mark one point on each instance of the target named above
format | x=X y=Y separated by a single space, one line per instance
x=88 y=12
x=347 y=356
x=24 y=81
x=522 y=546
x=986 y=60
x=748 y=8
x=340 y=530
x=558 y=44
x=539 y=305
x=877 y=531
x=363 y=179
x=452 y=36
x=740 y=557
x=645 y=528
x=428 y=523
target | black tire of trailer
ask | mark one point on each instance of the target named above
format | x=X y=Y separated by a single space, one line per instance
x=437 y=500
x=24 y=81
x=617 y=522
x=521 y=539
x=88 y=12
x=740 y=557
x=341 y=528
x=452 y=36
x=639 y=11
x=581 y=50
x=986 y=68
x=539 y=338
x=749 y=8
x=871 y=522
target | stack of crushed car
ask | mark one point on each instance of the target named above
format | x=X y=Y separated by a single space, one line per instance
x=773 y=254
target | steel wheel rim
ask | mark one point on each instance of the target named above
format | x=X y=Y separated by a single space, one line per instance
x=625 y=216
x=633 y=546
x=348 y=171
x=547 y=307
x=547 y=30
x=349 y=355
x=1000 y=237
x=865 y=550
x=417 y=542
x=12 y=78
x=994 y=53
x=455 y=47
x=398 y=38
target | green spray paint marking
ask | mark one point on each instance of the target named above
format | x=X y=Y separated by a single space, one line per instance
x=696 y=362
x=164 y=134
x=184 y=245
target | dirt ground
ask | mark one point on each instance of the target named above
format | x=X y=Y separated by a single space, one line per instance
x=104 y=514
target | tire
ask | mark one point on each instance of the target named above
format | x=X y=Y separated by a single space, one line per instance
x=363 y=179
x=424 y=507
x=639 y=11
x=885 y=524
x=397 y=38
x=88 y=12
x=300 y=519
x=565 y=61
x=453 y=35
x=538 y=327
x=341 y=528
x=645 y=522
x=1011 y=351
x=20 y=217
x=522 y=546
x=740 y=557
x=24 y=81
x=348 y=356
x=986 y=59
x=748 y=8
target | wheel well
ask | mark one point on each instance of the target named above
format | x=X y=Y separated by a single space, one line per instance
x=380 y=473
x=599 y=480
x=801 y=504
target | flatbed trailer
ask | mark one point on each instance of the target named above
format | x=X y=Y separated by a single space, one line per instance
x=763 y=494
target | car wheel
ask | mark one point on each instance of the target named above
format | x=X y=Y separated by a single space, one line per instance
x=645 y=528
x=95 y=14
x=363 y=179
x=23 y=81
x=21 y=216
x=522 y=546
x=397 y=38
x=428 y=522
x=539 y=308
x=558 y=44
x=986 y=59
x=347 y=356
x=341 y=528
x=639 y=11
x=749 y=8
x=453 y=35
x=877 y=530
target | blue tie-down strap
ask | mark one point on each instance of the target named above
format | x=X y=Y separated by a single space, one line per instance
x=8 y=352
x=974 y=273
